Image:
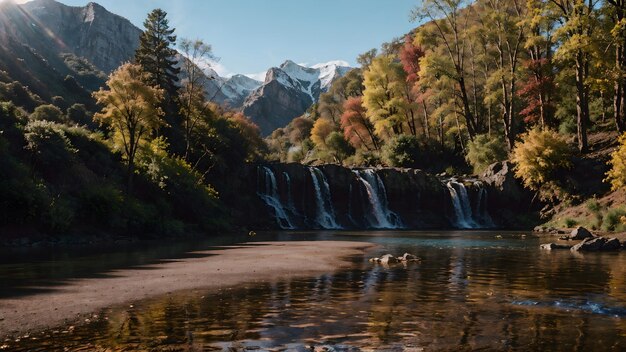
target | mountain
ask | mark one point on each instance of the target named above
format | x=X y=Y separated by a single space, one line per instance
x=49 y=49
x=288 y=91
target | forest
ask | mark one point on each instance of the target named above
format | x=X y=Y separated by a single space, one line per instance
x=475 y=83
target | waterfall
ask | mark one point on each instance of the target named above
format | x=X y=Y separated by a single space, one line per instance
x=268 y=191
x=380 y=216
x=466 y=216
x=290 y=203
x=461 y=205
x=325 y=212
x=481 y=205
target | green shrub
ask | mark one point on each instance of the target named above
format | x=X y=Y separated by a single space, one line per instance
x=593 y=205
x=568 y=126
x=51 y=148
x=48 y=113
x=570 y=222
x=485 y=150
x=402 y=151
x=614 y=220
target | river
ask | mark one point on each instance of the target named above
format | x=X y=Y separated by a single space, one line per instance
x=472 y=290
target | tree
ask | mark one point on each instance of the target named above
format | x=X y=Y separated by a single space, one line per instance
x=321 y=129
x=365 y=59
x=192 y=99
x=386 y=100
x=155 y=53
x=131 y=108
x=447 y=28
x=618 y=34
x=617 y=175
x=484 y=151
x=338 y=146
x=504 y=30
x=357 y=129
x=577 y=22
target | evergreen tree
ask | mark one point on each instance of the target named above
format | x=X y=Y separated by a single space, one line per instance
x=156 y=55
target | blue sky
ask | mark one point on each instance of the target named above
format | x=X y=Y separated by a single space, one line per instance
x=249 y=36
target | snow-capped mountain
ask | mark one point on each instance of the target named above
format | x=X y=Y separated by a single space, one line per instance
x=288 y=91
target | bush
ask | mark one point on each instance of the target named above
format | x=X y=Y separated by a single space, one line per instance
x=617 y=174
x=48 y=113
x=338 y=146
x=614 y=220
x=485 y=150
x=593 y=205
x=539 y=157
x=402 y=151
x=49 y=144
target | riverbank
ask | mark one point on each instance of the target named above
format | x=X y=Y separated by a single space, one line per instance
x=72 y=300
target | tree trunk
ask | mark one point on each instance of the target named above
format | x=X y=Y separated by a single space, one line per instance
x=582 y=104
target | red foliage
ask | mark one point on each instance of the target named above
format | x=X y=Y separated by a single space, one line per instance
x=356 y=127
x=535 y=86
x=410 y=54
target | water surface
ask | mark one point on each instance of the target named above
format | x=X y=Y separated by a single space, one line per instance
x=473 y=290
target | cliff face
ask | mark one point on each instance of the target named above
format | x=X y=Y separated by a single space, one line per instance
x=276 y=103
x=92 y=32
x=295 y=196
x=288 y=91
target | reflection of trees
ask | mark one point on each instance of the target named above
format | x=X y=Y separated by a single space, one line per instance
x=455 y=299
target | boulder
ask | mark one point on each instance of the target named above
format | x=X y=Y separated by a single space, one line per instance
x=553 y=246
x=597 y=244
x=612 y=244
x=388 y=259
x=408 y=257
x=580 y=233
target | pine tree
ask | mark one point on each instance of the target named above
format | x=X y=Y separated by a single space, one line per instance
x=156 y=55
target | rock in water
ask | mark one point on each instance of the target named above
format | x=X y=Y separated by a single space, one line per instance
x=388 y=259
x=553 y=246
x=612 y=244
x=408 y=257
x=597 y=244
x=580 y=233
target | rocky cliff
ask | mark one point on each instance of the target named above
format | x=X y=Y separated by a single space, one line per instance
x=295 y=196
x=288 y=91
x=92 y=32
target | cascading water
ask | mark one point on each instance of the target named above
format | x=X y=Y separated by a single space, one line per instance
x=290 y=203
x=481 y=205
x=465 y=216
x=461 y=204
x=268 y=192
x=380 y=216
x=325 y=212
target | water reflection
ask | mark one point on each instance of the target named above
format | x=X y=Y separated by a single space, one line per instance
x=471 y=291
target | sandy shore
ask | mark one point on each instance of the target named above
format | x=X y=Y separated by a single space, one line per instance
x=227 y=266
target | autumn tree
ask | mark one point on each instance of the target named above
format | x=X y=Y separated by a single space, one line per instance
x=617 y=12
x=577 y=21
x=130 y=107
x=504 y=31
x=385 y=98
x=357 y=129
x=446 y=30
x=321 y=130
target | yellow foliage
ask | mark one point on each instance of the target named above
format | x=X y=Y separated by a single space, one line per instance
x=540 y=153
x=321 y=129
x=617 y=174
x=130 y=107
